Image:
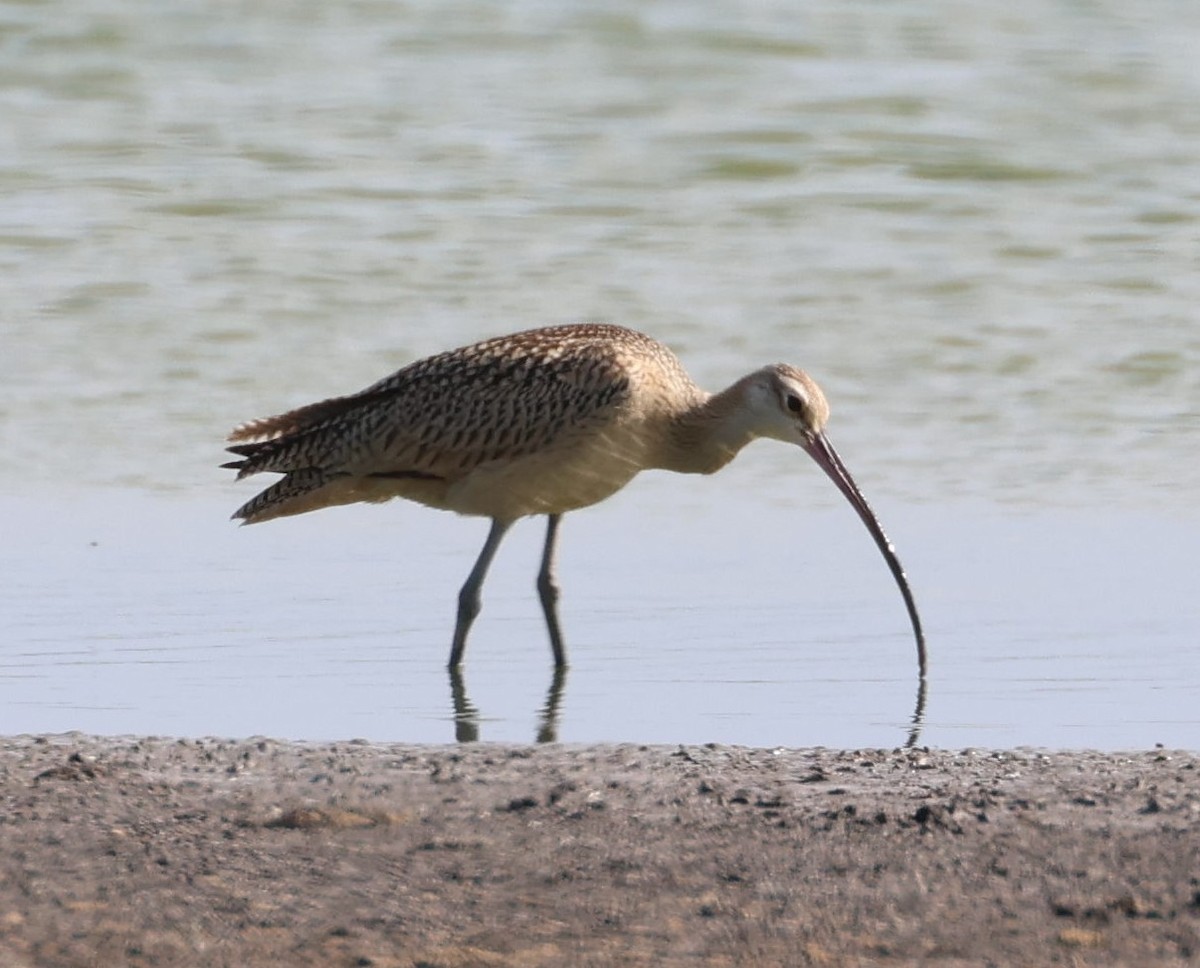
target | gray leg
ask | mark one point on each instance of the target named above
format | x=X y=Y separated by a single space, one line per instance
x=548 y=592
x=468 y=598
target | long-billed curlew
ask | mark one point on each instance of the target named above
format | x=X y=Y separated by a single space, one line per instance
x=540 y=422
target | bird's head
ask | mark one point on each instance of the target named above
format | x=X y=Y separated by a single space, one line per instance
x=787 y=404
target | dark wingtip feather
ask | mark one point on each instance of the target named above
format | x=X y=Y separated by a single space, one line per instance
x=249 y=451
x=244 y=450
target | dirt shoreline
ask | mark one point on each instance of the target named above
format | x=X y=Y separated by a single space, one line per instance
x=211 y=852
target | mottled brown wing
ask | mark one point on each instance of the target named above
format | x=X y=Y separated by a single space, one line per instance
x=443 y=415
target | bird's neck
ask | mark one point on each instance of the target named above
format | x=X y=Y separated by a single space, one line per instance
x=707 y=435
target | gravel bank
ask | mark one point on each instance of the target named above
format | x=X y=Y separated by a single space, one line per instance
x=209 y=852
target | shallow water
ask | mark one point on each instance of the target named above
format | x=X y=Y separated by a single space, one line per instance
x=977 y=228
x=765 y=626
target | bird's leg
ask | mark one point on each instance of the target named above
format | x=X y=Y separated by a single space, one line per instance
x=468 y=598
x=547 y=588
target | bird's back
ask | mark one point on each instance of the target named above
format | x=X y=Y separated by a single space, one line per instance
x=455 y=429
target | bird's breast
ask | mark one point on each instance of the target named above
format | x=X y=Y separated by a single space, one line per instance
x=572 y=475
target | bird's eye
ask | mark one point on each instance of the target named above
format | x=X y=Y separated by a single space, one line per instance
x=795 y=404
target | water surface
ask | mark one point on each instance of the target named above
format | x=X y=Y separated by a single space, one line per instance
x=774 y=625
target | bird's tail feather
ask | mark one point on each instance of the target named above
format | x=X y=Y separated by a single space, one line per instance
x=295 y=493
x=302 y=418
x=295 y=440
x=255 y=457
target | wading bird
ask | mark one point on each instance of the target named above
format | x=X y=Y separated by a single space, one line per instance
x=539 y=422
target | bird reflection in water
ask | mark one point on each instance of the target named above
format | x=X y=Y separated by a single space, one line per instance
x=918 y=716
x=466 y=714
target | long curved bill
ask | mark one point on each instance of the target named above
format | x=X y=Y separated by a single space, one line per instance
x=821 y=450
